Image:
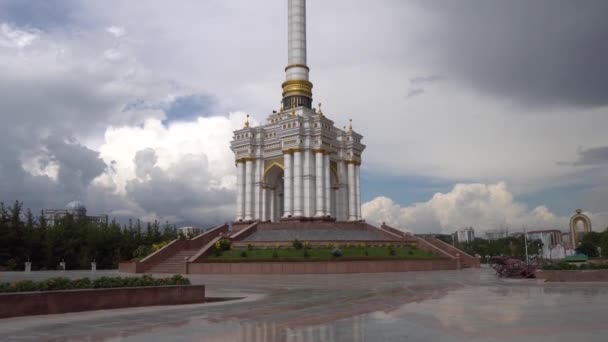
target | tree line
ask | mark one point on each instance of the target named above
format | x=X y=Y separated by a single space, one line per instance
x=73 y=240
x=515 y=245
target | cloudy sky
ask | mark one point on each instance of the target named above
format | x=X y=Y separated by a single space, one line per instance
x=475 y=113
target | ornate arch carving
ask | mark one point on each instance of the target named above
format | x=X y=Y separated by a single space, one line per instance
x=574 y=220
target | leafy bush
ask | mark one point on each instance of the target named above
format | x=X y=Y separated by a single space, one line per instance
x=297 y=244
x=225 y=244
x=366 y=252
x=391 y=251
x=306 y=253
x=55 y=284
x=337 y=252
x=243 y=254
x=250 y=247
x=142 y=251
x=275 y=254
x=157 y=246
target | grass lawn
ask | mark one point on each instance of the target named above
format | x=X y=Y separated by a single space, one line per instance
x=322 y=254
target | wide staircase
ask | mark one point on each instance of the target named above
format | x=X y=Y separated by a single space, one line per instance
x=466 y=260
x=173 y=264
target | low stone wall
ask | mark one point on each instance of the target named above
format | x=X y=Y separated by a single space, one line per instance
x=54 y=302
x=323 y=243
x=320 y=267
x=573 y=275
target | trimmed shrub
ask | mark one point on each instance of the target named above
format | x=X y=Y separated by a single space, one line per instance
x=225 y=244
x=336 y=252
x=275 y=255
x=306 y=253
x=56 y=284
x=297 y=244
x=243 y=254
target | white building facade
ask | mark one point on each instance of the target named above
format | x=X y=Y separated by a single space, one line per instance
x=298 y=165
x=465 y=235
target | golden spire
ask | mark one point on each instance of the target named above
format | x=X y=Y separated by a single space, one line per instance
x=350 y=125
x=320 y=111
x=247 y=122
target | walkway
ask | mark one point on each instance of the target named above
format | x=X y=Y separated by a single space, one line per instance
x=469 y=305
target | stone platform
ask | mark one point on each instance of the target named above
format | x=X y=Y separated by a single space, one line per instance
x=189 y=256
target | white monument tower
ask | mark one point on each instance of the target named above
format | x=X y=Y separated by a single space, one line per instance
x=298 y=166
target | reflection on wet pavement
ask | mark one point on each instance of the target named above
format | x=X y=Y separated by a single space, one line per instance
x=470 y=305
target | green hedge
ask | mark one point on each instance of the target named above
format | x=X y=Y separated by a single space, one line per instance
x=60 y=283
x=565 y=266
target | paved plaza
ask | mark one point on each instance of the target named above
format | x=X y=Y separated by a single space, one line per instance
x=469 y=305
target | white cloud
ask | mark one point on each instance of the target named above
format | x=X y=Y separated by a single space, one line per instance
x=482 y=206
x=14 y=37
x=117 y=31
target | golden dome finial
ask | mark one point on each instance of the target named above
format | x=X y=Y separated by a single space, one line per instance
x=247 y=122
x=350 y=125
x=320 y=111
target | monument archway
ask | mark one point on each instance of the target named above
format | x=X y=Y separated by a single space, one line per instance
x=574 y=220
x=272 y=204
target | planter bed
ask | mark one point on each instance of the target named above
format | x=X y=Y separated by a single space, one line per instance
x=53 y=302
x=573 y=275
x=316 y=254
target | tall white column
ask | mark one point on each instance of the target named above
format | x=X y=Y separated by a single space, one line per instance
x=271 y=204
x=352 y=213
x=319 y=176
x=257 y=189
x=287 y=187
x=249 y=190
x=342 y=193
x=306 y=196
x=240 y=190
x=297 y=183
x=358 y=192
x=296 y=34
x=327 y=185
x=264 y=203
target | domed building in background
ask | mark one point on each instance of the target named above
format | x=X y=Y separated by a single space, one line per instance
x=76 y=209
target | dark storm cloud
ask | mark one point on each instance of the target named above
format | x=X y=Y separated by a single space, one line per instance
x=414 y=92
x=40 y=14
x=178 y=191
x=592 y=156
x=546 y=52
x=190 y=106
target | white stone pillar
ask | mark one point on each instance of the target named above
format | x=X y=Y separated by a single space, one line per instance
x=257 y=189
x=352 y=212
x=358 y=192
x=297 y=183
x=296 y=33
x=327 y=185
x=264 y=216
x=272 y=206
x=306 y=196
x=240 y=190
x=342 y=193
x=287 y=186
x=319 y=176
x=249 y=189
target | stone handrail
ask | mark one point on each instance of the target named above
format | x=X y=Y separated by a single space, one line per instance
x=205 y=250
x=243 y=233
x=202 y=239
x=425 y=245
